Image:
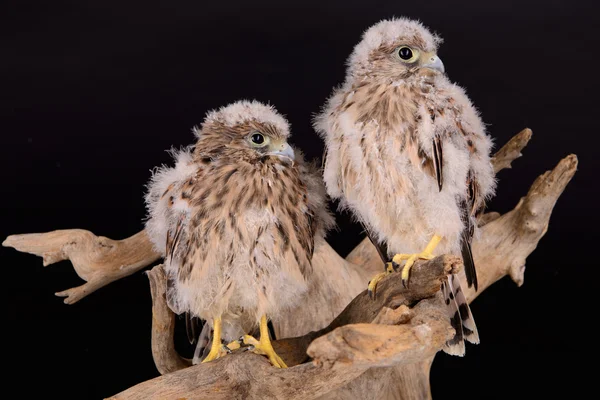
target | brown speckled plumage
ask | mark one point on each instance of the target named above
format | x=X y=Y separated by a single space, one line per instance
x=240 y=231
x=406 y=149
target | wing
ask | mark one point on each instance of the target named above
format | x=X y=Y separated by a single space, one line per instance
x=381 y=248
x=467 y=206
x=177 y=198
x=438 y=161
x=305 y=215
x=296 y=229
x=173 y=239
x=468 y=209
x=168 y=210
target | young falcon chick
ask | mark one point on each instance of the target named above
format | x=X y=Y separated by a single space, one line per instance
x=236 y=219
x=408 y=153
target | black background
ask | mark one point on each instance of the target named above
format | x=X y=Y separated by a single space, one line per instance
x=92 y=93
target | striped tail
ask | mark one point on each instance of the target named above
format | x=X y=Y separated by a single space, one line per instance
x=461 y=318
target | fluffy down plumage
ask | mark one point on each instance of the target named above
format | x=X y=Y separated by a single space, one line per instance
x=236 y=223
x=406 y=150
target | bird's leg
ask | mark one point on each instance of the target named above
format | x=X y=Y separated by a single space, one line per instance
x=263 y=346
x=426 y=254
x=382 y=250
x=391 y=266
x=216 y=348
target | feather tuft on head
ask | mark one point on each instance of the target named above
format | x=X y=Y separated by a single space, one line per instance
x=244 y=111
x=389 y=32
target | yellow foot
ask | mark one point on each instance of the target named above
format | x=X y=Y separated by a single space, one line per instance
x=372 y=287
x=236 y=344
x=217 y=352
x=410 y=260
x=217 y=349
x=264 y=347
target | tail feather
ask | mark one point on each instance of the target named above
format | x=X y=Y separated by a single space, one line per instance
x=467 y=256
x=461 y=318
x=203 y=345
x=466 y=210
x=469 y=327
x=456 y=345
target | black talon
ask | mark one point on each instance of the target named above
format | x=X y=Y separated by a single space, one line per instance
x=389 y=268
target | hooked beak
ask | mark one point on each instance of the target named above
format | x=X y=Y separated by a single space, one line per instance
x=282 y=150
x=435 y=63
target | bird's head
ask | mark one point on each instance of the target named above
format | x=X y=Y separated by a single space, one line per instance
x=396 y=49
x=246 y=130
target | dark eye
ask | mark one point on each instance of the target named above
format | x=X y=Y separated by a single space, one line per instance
x=257 y=138
x=405 y=53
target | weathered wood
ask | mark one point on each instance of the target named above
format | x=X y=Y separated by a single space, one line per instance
x=97 y=260
x=341 y=352
x=511 y=150
x=359 y=354
x=165 y=356
x=507 y=241
x=501 y=249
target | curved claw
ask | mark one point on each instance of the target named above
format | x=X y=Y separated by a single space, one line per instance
x=405 y=283
x=372 y=286
x=390 y=267
x=410 y=260
x=217 y=352
x=264 y=347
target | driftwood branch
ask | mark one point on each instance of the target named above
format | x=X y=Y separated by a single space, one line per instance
x=505 y=241
x=350 y=344
x=364 y=333
x=97 y=260
x=527 y=223
x=384 y=332
x=100 y=260
x=165 y=356
x=511 y=150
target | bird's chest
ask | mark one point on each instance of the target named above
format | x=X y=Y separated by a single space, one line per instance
x=388 y=135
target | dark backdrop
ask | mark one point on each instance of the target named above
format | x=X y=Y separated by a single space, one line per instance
x=93 y=92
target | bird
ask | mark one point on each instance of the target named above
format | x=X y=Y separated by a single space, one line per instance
x=408 y=154
x=236 y=219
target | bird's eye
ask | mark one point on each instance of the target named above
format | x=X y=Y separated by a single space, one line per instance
x=258 y=139
x=407 y=54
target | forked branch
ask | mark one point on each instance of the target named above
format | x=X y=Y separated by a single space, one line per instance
x=97 y=260
x=350 y=344
x=365 y=334
x=342 y=355
x=511 y=150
